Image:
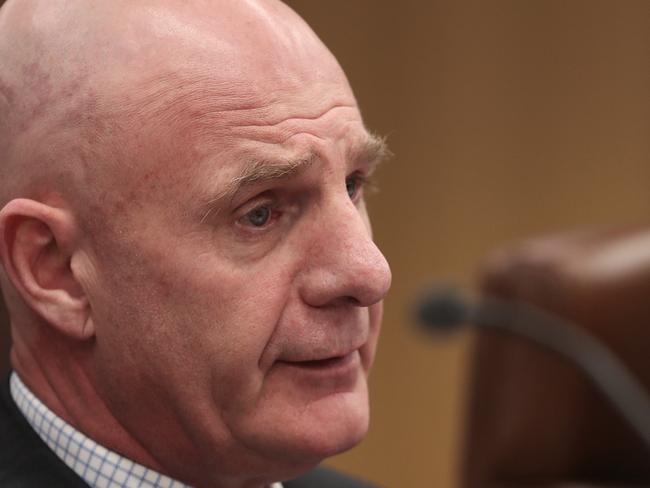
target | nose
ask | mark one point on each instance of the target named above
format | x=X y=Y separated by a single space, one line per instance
x=344 y=264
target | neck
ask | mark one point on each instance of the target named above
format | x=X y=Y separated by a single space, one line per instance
x=56 y=374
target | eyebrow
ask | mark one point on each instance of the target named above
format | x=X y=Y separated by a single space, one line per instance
x=370 y=153
x=262 y=171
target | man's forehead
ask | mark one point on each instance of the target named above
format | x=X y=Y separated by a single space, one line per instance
x=226 y=79
x=207 y=100
x=231 y=41
x=141 y=44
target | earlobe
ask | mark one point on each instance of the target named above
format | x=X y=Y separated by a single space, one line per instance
x=37 y=245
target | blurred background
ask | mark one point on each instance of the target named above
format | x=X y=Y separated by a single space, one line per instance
x=508 y=119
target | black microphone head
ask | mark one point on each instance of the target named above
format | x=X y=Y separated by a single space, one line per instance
x=442 y=310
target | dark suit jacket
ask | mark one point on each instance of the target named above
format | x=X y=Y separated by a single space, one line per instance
x=27 y=462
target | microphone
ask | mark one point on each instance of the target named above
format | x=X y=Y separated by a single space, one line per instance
x=445 y=310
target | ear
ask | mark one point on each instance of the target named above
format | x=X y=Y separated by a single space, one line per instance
x=37 y=250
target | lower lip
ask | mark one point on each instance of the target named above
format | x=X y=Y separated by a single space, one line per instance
x=333 y=372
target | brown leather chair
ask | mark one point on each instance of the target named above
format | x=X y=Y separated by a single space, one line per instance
x=534 y=419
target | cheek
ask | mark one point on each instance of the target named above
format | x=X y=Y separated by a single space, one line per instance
x=200 y=317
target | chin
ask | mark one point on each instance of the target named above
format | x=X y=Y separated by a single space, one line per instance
x=300 y=435
x=300 y=422
x=326 y=434
x=349 y=427
x=331 y=425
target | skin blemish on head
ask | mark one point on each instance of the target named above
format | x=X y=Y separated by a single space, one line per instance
x=7 y=93
x=39 y=89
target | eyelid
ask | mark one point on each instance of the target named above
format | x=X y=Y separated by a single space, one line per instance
x=259 y=200
x=366 y=183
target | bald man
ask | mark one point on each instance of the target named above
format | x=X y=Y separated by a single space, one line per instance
x=187 y=261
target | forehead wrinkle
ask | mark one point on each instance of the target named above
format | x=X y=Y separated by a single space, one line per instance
x=260 y=171
x=200 y=99
x=313 y=115
x=172 y=98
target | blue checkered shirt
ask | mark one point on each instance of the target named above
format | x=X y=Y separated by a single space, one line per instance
x=95 y=464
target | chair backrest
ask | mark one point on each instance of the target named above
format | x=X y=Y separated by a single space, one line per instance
x=533 y=418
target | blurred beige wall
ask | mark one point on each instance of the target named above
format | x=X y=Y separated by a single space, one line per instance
x=509 y=119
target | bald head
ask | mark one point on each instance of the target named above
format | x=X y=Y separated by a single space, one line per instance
x=78 y=78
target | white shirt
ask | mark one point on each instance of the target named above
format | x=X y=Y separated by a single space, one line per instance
x=96 y=465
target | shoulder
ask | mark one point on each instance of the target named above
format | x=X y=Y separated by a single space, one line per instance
x=25 y=461
x=323 y=477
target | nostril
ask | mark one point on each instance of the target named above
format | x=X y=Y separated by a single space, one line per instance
x=353 y=301
x=345 y=300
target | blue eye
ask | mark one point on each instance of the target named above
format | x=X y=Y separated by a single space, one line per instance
x=259 y=216
x=351 y=185
x=354 y=184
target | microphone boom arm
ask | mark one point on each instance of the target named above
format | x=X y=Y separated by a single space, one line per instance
x=605 y=370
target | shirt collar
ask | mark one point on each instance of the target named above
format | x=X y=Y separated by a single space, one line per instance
x=96 y=465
